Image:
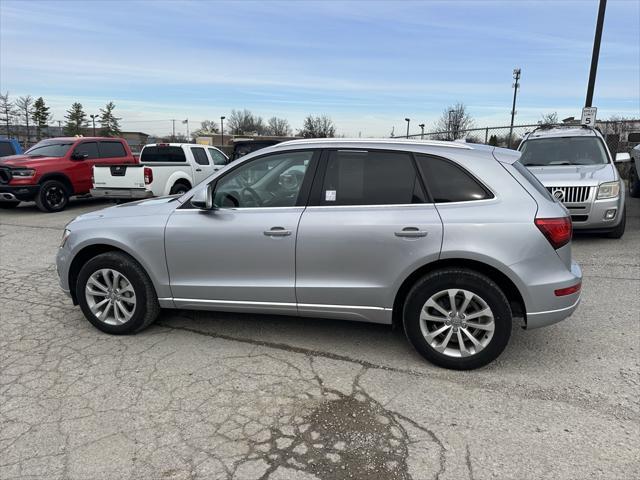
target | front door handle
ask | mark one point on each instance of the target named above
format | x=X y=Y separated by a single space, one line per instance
x=277 y=232
x=411 y=232
x=198 y=169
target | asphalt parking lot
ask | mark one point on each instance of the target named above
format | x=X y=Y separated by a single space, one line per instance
x=229 y=396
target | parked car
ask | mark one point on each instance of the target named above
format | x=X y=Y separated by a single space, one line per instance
x=57 y=168
x=242 y=147
x=9 y=146
x=575 y=165
x=164 y=169
x=451 y=240
x=634 y=180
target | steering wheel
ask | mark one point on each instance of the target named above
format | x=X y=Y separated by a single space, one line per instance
x=249 y=194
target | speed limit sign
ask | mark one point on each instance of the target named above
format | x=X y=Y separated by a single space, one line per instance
x=589 y=116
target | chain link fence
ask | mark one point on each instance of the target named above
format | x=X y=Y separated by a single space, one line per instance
x=621 y=136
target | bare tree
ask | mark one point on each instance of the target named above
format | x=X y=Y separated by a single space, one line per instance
x=549 y=119
x=25 y=106
x=243 y=122
x=7 y=112
x=278 y=127
x=207 y=127
x=317 y=127
x=454 y=121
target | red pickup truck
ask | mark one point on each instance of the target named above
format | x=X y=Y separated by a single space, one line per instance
x=55 y=169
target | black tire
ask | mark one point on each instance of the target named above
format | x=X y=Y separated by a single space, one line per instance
x=618 y=232
x=146 y=308
x=52 y=197
x=179 y=188
x=464 y=279
x=7 y=205
x=634 y=181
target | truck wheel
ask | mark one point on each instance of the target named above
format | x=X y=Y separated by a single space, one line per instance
x=8 y=204
x=634 y=182
x=457 y=318
x=52 y=197
x=179 y=188
x=619 y=230
x=116 y=294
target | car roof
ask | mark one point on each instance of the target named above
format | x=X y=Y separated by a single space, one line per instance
x=563 y=132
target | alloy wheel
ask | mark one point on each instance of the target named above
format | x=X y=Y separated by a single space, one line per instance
x=110 y=296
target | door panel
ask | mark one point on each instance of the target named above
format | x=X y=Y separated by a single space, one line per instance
x=84 y=168
x=203 y=166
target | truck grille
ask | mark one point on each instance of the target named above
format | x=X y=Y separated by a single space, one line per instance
x=570 y=194
x=5 y=175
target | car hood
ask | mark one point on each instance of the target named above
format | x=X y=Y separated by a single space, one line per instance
x=568 y=175
x=141 y=208
x=25 y=161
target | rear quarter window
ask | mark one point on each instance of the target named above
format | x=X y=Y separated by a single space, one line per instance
x=163 y=154
x=448 y=182
x=112 y=150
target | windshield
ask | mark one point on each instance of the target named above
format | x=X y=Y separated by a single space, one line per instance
x=48 y=149
x=563 y=151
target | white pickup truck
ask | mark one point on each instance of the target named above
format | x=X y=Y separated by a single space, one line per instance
x=164 y=169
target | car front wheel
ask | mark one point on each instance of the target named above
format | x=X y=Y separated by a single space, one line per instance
x=457 y=318
x=634 y=181
x=116 y=295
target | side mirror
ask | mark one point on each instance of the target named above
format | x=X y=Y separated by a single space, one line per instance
x=79 y=156
x=623 y=157
x=203 y=198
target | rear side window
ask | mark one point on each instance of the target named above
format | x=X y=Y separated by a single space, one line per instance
x=448 y=182
x=200 y=155
x=6 y=149
x=112 y=150
x=162 y=154
x=90 y=149
x=533 y=180
x=370 y=178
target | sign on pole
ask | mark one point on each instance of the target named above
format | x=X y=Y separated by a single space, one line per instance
x=589 y=116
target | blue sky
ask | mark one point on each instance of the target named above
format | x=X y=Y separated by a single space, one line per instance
x=367 y=64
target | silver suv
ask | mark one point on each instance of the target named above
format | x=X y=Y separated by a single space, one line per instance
x=451 y=241
x=575 y=165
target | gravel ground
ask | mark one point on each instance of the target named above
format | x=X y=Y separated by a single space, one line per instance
x=229 y=396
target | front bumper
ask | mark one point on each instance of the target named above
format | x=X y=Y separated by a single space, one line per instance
x=132 y=193
x=63 y=262
x=22 y=193
x=593 y=217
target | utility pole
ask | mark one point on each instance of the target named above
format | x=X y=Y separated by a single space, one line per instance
x=173 y=130
x=93 y=120
x=516 y=85
x=408 y=120
x=222 y=130
x=422 y=131
x=450 y=126
x=596 y=53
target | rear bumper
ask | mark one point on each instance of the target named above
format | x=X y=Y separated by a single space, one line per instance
x=22 y=193
x=137 y=193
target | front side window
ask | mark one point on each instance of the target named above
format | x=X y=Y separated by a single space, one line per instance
x=217 y=157
x=162 y=153
x=200 y=155
x=448 y=182
x=558 y=151
x=87 y=149
x=271 y=181
x=112 y=150
x=370 y=178
x=49 y=149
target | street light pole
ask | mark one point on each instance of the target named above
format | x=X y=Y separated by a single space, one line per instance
x=173 y=130
x=450 y=126
x=422 y=131
x=93 y=121
x=222 y=131
x=596 y=53
x=516 y=85
x=408 y=120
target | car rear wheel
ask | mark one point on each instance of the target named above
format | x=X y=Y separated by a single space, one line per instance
x=116 y=295
x=52 y=197
x=8 y=204
x=457 y=318
x=179 y=189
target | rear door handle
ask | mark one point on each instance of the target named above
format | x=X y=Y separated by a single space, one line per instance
x=411 y=232
x=277 y=232
x=198 y=169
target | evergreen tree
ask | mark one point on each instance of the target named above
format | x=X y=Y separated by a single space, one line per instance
x=40 y=117
x=493 y=141
x=76 y=120
x=109 y=122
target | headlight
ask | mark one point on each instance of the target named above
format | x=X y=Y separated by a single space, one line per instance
x=65 y=236
x=23 y=172
x=608 y=190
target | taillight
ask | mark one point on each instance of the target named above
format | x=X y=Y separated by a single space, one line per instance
x=557 y=230
x=148 y=175
x=561 y=292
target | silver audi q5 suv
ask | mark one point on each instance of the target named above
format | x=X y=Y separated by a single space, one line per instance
x=453 y=242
